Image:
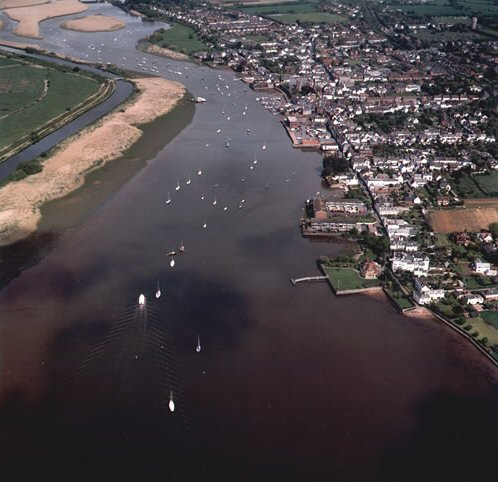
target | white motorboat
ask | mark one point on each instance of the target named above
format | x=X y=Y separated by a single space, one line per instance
x=198 y=347
x=171 y=403
x=169 y=199
x=141 y=300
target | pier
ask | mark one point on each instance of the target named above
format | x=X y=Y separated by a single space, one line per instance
x=308 y=279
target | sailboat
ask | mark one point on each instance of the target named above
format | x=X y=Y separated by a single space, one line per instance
x=263 y=146
x=169 y=199
x=223 y=111
x=188 y=180
x=141 y=300
x=214 y=202
x=181 y=248
x=198 y=347
x=228 y=143
x=177 y=185
x=171 y=404
x=158 y=291
x=172 y=262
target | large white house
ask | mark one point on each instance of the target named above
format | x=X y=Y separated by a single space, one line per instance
x=417 y=264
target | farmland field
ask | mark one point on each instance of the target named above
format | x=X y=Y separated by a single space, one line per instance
x=470 y=218
x=447 y=8
x=314 y=17
x=32 y=95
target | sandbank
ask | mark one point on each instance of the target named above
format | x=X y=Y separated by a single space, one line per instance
x=94 y=23
x=163 y=52
x=65 y=170
x=30 y=17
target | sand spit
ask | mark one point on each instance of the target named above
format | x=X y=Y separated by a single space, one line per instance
x=30 y=17
x=94 y=23
x=65 y=170
x=20 y=3
x=163 y=52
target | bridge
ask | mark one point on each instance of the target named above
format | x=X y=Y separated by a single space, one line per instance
x=308 y=279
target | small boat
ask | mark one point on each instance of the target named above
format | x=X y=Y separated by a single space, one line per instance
x=218 y=131
x=172 y=253
x=188 y=180
x=214 y=202
x=255 y=161
x=169 y=199
x=225 y=208
x=228 y=118
x=171 y=404
x=181 y=248
x=228 y=143
x=242 y=180
x=141 y=300
x=198 y=347
x=204 y=225
x=263 y=146
x=158 y=291
x=172 y=262
x=244 y=113
x=240 y=206
x=248 y=131
x=177 y=185
x=251 y=167
x=199 y=172
x=202 y=198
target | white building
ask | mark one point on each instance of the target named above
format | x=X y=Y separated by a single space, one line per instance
x=415 y=263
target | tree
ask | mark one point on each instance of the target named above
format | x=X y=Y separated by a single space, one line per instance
x=493 y=227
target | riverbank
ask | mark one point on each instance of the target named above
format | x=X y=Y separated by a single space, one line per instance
x=29 y=18
x=93 y=23
x=65 y=170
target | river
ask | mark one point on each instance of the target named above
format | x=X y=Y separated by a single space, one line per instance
x=291 y=383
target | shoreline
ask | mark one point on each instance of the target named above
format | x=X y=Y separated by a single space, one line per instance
x=65 y=169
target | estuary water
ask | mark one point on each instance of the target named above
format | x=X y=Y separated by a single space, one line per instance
x=291 y=383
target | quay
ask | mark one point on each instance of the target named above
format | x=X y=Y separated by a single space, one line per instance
x=308 y=279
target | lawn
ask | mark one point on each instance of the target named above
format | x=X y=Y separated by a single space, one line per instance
x=401 y=299
x=483 y=329
x=179 y=38
x=488 y=183
x=313 y=17
x=348 y=279
x=491 y=317
x=31 y=95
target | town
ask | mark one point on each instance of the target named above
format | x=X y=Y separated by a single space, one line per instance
x=403 y=109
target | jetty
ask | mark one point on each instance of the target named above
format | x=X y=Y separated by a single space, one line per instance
x=308 y=279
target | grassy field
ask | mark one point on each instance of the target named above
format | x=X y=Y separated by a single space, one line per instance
x=483 y=329
x=348 y=279
x=314 y=17
x=488 y=183
x=295 y=7
x=32 y=95
x=179 y=38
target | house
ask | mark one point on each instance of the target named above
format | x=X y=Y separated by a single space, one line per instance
x=482 y=267
x=491 y=294
x=471 y=299
x=370 y=269
x=485 y=237
x=424 y=294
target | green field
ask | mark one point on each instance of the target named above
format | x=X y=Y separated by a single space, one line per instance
x=314 y=17
x=32 y=95
x=295 y=7
x=445 y=8
x=348 y=279
x=179 y=38
x=488 y=183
